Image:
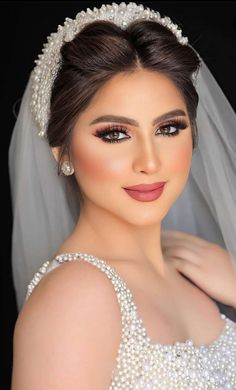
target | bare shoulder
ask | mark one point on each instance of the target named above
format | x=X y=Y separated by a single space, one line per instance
x=72 y=320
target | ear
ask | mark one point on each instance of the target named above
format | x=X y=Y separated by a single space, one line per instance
x=56 y=152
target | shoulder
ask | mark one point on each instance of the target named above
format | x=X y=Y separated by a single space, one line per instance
x=73 y=318
x=76 y=276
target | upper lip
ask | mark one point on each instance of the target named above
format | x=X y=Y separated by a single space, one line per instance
x=146 y=187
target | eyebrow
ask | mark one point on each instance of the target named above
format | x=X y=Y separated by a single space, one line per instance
x=132 y=122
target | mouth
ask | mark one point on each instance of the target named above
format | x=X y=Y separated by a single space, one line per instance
x=147 y=195
x=146 y=187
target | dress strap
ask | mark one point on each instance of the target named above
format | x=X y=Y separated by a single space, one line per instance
x=133 y=333
x=124 y=295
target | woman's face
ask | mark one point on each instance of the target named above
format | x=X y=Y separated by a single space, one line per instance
x=143 y=156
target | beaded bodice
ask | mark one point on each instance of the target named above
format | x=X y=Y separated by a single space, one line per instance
x=144 y=365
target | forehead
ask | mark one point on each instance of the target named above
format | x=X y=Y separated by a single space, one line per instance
x=140 y=87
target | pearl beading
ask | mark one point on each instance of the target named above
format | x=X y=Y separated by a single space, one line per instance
x=144 y=365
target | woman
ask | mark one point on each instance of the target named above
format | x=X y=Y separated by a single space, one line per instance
x=116 y=102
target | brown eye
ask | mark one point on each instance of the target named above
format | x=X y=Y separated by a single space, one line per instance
x=167 y=129
x=113 y=133
x=116 y=134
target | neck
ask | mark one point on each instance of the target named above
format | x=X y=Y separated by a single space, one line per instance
x=106 y=235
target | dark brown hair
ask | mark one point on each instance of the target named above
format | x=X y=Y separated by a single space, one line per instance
x=100 y=51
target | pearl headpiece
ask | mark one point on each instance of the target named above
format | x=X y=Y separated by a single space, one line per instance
x=49 y=62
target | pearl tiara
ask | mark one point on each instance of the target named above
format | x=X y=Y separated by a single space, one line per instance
x=48 y=63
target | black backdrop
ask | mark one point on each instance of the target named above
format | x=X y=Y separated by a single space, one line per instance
x=211 y=29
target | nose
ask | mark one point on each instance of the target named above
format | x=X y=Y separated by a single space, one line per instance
x=148 y=157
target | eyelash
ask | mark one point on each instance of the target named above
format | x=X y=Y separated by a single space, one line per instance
x=179 y=124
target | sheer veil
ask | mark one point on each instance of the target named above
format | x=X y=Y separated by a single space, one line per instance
x=45 y=212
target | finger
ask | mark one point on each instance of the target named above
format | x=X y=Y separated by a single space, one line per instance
x=193 y=247
x=187 y=268
x=171 y=234
x=174 y=243
x=171 y=239
x=183 y=254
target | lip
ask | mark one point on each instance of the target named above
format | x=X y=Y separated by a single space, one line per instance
x=146 y=196
x=146 y=187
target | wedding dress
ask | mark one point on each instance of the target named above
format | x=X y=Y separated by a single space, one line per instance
x=142 y=364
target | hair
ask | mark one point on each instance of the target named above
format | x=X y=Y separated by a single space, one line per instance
x=100 y=51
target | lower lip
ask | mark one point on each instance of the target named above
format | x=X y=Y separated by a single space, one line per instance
x=146 y=196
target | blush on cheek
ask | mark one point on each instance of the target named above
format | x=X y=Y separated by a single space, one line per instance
x=96 y=166
x=180 y=160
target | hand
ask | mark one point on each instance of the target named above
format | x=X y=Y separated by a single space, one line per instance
x=207 y=264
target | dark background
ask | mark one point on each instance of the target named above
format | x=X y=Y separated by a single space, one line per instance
x=211 y=29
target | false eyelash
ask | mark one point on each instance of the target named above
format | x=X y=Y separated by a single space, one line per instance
x=179 y=124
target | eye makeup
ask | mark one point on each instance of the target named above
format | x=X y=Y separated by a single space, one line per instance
x=105 y=132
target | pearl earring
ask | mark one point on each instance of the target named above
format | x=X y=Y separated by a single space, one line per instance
x=67 y=168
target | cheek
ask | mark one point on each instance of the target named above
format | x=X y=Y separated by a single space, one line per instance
x=181 y=163
x=90 y=163
x=179 y=160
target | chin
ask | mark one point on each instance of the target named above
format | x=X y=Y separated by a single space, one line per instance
x=144 y=217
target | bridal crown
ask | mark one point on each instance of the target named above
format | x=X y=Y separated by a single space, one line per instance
x=49 y=62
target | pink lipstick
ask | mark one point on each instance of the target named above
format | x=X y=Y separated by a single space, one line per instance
x=146 y=192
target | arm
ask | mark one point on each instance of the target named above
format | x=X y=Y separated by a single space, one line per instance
x=68 y=332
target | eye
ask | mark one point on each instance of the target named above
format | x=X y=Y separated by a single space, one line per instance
x=176 y=124
x=111 y=130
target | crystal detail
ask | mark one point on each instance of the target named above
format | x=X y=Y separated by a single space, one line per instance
x=142 y=364
x=67 y=168
x=49 y=62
